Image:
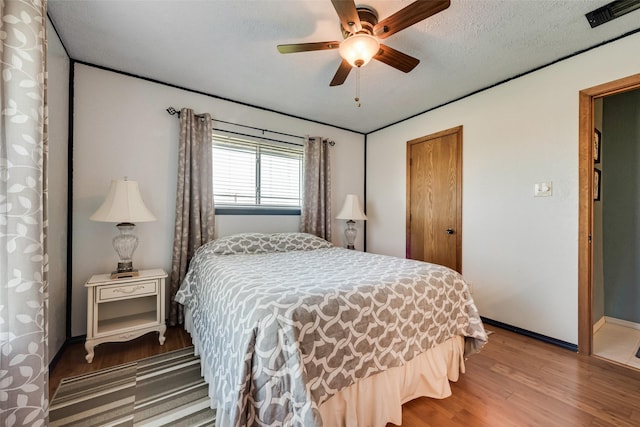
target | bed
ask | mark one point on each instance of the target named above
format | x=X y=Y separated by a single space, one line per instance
x=294 y=331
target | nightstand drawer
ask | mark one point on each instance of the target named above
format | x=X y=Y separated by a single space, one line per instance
x=115 y=292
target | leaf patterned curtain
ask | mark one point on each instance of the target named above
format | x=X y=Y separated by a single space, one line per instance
x=195 y=220
x=315 y=216
x=23 y=214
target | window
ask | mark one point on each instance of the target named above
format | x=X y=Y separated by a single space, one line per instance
x=256 y=174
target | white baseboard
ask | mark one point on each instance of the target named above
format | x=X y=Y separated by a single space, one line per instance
x=599 y=324
x=621 y=322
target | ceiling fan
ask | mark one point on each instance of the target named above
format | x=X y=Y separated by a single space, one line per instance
x=362 y=34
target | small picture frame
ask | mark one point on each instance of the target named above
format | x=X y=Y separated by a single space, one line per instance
x=597 y=145
x=597 y=182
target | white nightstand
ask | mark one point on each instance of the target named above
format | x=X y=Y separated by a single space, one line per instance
x=123 y=309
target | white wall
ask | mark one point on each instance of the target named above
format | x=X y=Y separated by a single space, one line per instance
x=58 y=100
x=121 y=129
x=519 y=252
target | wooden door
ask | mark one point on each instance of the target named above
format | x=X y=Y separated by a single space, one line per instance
x=434 y=198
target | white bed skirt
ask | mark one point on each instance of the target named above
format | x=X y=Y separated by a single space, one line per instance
x=377 y=400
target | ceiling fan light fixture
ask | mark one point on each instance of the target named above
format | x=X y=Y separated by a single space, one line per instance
x=358 y=49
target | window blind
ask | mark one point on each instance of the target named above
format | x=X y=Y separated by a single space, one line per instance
x=254 y=173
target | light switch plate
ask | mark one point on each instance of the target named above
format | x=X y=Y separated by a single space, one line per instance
x=543 y=189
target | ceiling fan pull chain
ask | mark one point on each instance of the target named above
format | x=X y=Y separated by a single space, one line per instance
x=357 y=98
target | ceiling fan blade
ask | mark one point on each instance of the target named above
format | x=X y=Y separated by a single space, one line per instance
x=307 y=47
x=396 y=59
x=348 y=14
x=406 y=17
x=341 y=74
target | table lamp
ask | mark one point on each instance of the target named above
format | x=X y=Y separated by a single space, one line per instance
x=352 y=212
x=124 y=206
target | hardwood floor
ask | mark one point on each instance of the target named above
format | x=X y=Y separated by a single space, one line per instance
x=520 y=381
x=514 y=381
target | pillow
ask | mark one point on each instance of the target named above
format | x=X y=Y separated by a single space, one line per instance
x=284 y=242
x=243 y=243
x=261 y=243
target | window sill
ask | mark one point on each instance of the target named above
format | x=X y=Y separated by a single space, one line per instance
x=256 y=211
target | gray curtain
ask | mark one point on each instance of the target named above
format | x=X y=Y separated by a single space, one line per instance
x=315 y=217
x=195 y=221
x=23 y=214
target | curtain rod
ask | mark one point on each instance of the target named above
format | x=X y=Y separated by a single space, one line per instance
x=174 y=112
x=259 y=137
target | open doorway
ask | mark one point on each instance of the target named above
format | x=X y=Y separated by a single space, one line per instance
x=587 y=193
x=616 y=227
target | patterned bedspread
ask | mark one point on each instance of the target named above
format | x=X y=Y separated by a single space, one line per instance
x=282 y=330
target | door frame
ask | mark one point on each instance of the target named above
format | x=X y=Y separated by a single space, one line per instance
x=585 y=202
x=457 y=131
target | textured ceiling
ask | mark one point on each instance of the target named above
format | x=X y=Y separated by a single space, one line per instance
x=228 y=49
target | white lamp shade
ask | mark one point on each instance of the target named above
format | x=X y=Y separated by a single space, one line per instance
x=358 y=49
x=123 y=204
x=351 y=209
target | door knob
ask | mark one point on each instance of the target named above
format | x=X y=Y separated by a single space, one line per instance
x=449 y=230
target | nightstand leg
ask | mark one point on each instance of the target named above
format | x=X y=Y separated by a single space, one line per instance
x=161 y=331
x=89 y=347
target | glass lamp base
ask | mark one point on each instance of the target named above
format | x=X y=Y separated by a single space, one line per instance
x=125 y=245
x=350 y=233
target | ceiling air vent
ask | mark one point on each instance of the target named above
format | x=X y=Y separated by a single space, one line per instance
x=611 y=11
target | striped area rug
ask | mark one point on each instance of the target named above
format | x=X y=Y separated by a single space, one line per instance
x=161 y=390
